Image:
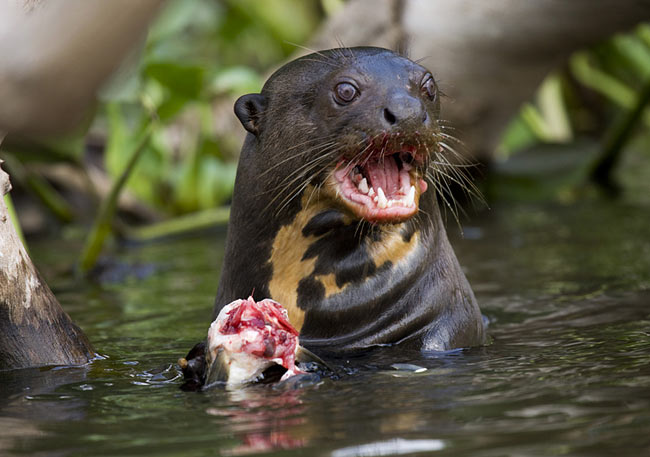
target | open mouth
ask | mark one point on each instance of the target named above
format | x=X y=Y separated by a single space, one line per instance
x=382 y=187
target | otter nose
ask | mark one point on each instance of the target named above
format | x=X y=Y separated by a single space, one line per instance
x=404 y=109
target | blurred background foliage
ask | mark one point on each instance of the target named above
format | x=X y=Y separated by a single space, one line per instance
x=160 y=151
x=198 y=54
x=581 y=121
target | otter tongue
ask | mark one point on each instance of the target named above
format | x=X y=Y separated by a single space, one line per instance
x=385 y=174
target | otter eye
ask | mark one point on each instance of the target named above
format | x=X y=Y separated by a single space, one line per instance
x=429 y=88
x=345 y=93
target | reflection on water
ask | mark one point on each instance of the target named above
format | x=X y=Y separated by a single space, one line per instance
x=260 y=421
x=567 y=291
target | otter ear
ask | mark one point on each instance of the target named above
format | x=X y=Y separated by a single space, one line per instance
x=249 y=109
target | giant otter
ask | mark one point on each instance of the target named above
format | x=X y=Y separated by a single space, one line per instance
x=335 y=213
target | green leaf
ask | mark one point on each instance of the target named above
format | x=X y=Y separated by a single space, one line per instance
x=236 y=80
x=635 y=53
x=171 y=107
x=181 y=80
x=179 y=15
x=518 y=135
x=185 y=195
x=216 y=182
x=210 y=148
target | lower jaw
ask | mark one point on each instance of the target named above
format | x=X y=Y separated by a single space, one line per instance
x=371 y=212
x=382 y=216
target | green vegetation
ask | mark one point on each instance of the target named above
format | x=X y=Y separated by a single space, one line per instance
x=596 y=105
x=160 y=127
x=163 y=135
x=198 y=56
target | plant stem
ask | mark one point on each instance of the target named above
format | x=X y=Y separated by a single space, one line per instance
x=102 y=227
x=180 y=225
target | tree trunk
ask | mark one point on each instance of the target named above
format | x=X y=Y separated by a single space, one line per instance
x=34 y=329
x=488 y=56
x=56 y=54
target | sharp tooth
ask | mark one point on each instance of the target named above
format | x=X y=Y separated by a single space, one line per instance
x=363 y=186
x=410 y=197
x=381 y=202
x=371 y=192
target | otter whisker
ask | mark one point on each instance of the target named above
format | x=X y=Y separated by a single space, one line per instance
x=313 y=51
x=440 y=184
x=443 y=186
x=320 y=149
x=451 y=138
x=452 y=151
x=287 y=201
x=314 y=191
x=455 y=165
x=428 y=216
x=446 y=124
x=299 y=154
x=320 y=61
x=342 y=48
x=360 y=229
x=462 y=179
x=280 y=189
x=291 y=196
x=442 y=196
x=303 y=176
x=444 y=192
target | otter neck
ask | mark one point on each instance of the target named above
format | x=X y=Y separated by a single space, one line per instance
x=323 y=261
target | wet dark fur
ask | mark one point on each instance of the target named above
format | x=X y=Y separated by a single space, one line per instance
x=296 y=135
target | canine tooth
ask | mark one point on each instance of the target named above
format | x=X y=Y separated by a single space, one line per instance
x=410 y=197
x=363 y=186
x=382 y=201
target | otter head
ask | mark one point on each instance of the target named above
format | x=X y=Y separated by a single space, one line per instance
x=355 y=127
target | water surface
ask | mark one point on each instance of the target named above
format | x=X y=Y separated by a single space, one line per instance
x=567 y=291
